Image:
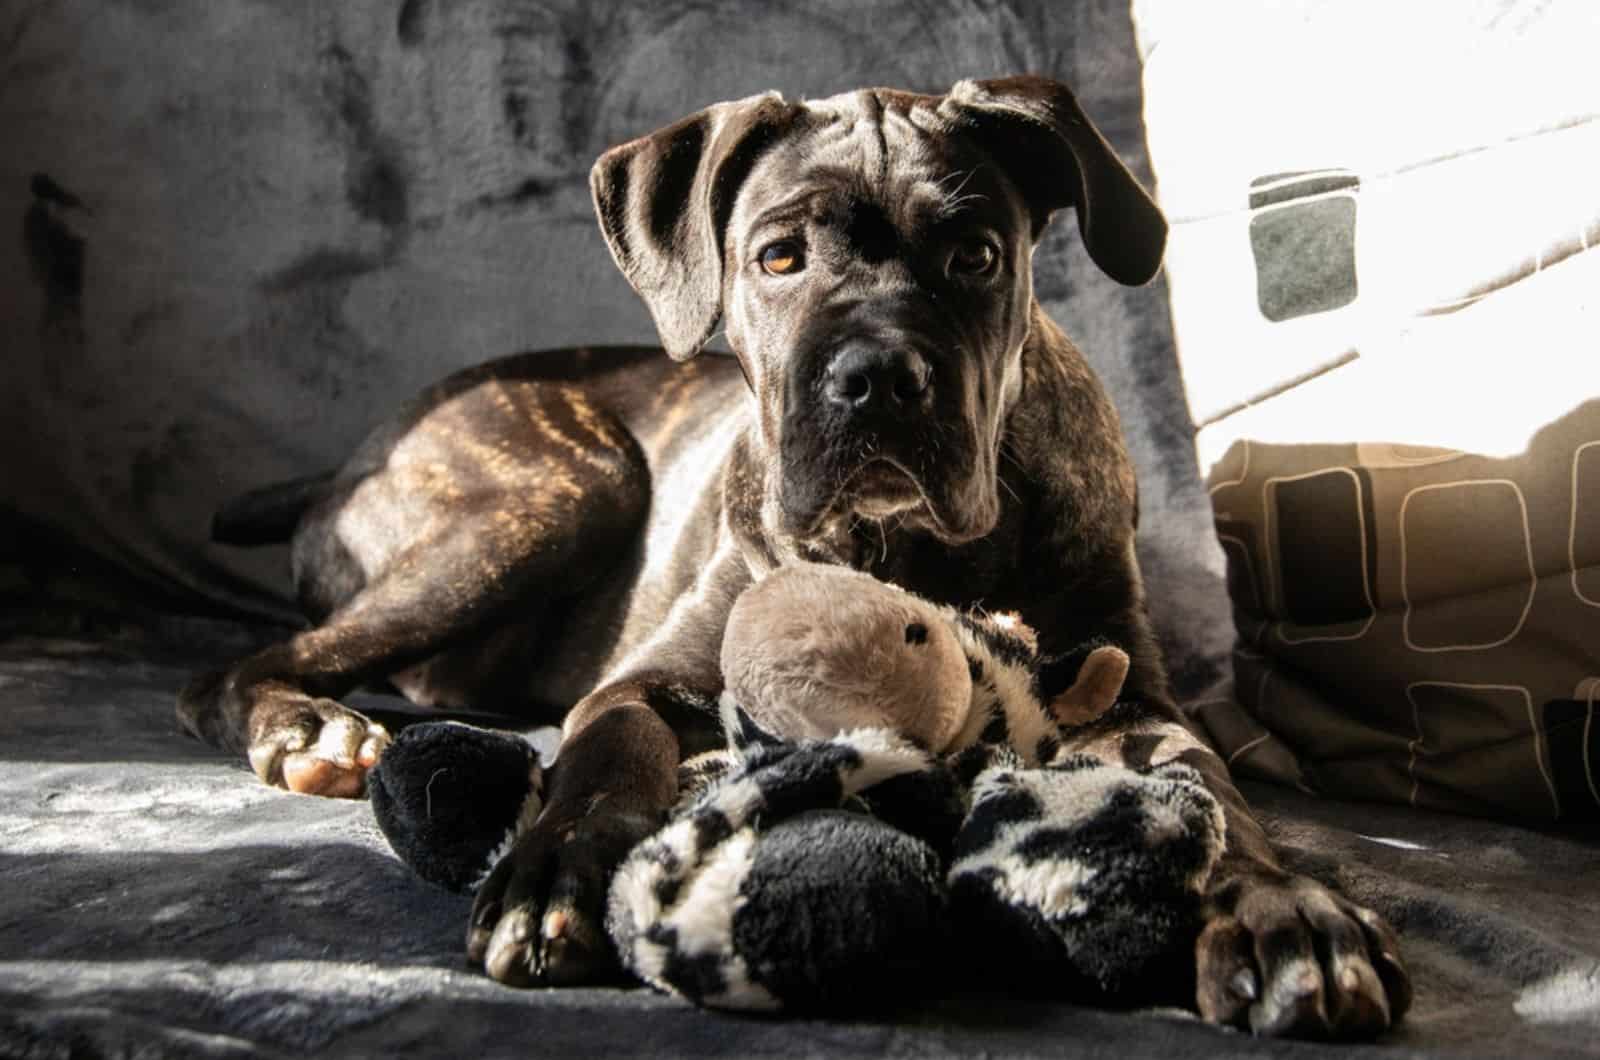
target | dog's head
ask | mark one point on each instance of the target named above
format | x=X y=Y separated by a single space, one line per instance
x=870 y=257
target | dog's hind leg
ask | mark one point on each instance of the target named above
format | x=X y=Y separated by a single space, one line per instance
x=280 y=705
x=490 y=504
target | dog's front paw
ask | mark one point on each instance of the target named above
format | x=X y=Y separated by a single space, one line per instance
x=1285 y=956
x=539 y=918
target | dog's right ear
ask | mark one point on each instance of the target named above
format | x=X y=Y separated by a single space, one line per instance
x=664 y=202
x=1036 y=130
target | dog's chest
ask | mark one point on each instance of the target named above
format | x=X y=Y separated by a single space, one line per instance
x=990 y=573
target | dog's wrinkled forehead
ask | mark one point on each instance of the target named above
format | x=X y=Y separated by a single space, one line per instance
x=874 y=133
x=890 y=150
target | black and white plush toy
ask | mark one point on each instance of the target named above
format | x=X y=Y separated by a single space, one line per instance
x=452 y=798
x=897 y=813
x=782 y=883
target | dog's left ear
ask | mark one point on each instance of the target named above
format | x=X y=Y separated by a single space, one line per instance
x=1035 y=129
x=664 y=201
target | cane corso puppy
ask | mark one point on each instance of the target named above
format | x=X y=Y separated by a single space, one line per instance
x=563 y=534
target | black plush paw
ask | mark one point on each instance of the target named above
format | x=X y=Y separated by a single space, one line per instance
x=1086 y=879
x=539 y=918
x=1285 y=956
x=451 y=798
x=840 y=912
x=800 y=878
x=826 y=910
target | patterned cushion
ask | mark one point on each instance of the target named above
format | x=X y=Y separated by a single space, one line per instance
x=1382 y=310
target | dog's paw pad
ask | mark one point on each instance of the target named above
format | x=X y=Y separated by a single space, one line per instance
x=308 y=775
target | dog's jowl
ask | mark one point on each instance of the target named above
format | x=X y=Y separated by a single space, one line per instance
x=563 y=534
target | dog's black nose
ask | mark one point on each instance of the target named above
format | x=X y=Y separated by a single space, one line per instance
x=864 y=376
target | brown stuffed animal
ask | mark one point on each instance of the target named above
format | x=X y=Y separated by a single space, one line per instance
x=812 y=651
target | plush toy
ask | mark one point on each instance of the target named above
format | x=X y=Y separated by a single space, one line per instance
x=897 y=810
x=452 y=798
x=974 y=838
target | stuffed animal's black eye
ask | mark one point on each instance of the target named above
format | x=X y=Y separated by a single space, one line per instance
x=973 y=257
x=916 y=633
x=783 y=257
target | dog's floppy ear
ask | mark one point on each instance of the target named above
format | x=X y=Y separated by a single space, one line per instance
x=664 y=201
x=1035 y=129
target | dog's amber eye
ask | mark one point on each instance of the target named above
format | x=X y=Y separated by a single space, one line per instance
x=973 y=257
x=783 y=258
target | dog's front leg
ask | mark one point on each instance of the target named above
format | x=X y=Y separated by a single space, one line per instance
x=539 y=918
x=1279 y=954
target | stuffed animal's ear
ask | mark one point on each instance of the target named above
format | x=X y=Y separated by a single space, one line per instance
x=1096 y=689
x=663 y=201
x=1034 y=128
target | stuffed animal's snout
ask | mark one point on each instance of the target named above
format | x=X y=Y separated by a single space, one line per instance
x=814 y=651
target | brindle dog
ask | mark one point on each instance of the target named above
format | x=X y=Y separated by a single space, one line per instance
x=572 y=528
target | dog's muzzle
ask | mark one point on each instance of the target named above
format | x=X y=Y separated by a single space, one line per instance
x=878 y=425
x=877 y=398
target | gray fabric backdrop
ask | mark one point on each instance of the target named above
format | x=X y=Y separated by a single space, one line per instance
x=243 y=230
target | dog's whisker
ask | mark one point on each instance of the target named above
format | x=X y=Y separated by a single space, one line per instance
x=1001 y=479
x=1008 y=488
x=954 y=201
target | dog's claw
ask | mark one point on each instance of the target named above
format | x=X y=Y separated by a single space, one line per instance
x=1293 y=1002
x=480 y=930
x=372 y=747
x=511 y=957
